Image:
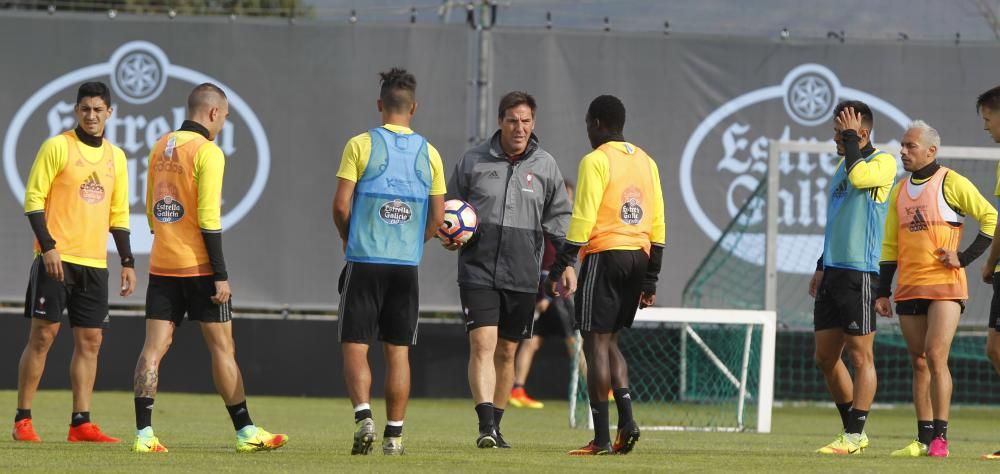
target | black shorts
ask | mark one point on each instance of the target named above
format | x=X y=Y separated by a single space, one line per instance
x=920 y=307
x=557 y=321
x=378 y=298
x=83 y=294
x=512 y=312
x=995 y=303
x=608 y=290
x=845 y=300
x=169 y=298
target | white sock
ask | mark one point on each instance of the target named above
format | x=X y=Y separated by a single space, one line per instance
x=394 y=423
x=362 y=406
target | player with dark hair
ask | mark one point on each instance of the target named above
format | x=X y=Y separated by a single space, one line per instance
x=847 y=272
x=519 y=196
x=389 y=201
x=187 y=270
x=927 y=212
x=618 y=225
x=76 y=193
x=988 y=107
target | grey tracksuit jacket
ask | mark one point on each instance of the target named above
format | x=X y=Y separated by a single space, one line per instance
x=518 y=203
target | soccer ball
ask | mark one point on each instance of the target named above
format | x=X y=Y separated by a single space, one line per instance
x=460 y=221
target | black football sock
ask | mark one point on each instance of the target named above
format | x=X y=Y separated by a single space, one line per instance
x=856 y=422
x=79 y=417
x=362 y=414
x=22 y=414
x=925 y=431
x=941 y=429
x=497 y=415
x=485 y=413
x=845 y=412
x=602 y=437
x=392 y=431
x=623 y=400
x=143 y=412
x=240 y=415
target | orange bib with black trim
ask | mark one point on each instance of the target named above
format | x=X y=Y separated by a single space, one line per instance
x=178 y=246
x=78 y=207
x=923 y=229
x=624 y=218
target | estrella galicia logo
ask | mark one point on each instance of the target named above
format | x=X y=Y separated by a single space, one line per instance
x=631 y=210
x=168 y=210
x=149 y=95
x=727 y=155
x=395 y=212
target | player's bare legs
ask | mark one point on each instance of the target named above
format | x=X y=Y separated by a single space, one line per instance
x=397 y=380
x=483 y=382
x=914 y=329
x=357 y=372
x=83 y=365
x=942 y=322
x=503 y=362
x=32 y=363
x=225 y=372
x=159 y=336
x=829 y=347
x=619 y=368
x=482 y=372
x=860 y=350
x=993 y=348
x=524 y=358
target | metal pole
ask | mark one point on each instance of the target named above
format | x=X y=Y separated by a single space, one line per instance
x=483 y=76
x=771 y=229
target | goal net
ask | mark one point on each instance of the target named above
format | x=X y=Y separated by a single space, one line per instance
x=693 y=369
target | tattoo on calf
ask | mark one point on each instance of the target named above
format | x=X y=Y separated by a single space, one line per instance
x=145 y=380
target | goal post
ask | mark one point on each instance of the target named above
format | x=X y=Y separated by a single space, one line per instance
x=696 y=369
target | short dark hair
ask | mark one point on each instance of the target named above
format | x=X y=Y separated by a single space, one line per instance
x=989 y=100
x=867 y=118
x=514 y=99
x=204 y=94
x=609 y=111
x=398 y=91
x=94 y=89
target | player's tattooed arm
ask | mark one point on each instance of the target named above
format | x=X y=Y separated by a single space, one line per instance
x=146 y=379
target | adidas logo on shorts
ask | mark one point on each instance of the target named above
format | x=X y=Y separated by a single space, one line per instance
x=853 y=325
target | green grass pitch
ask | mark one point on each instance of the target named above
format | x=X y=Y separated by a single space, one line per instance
x=439 y=437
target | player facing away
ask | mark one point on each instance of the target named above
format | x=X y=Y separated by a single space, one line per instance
x=923 y=229
x=618 y=225
x=847 y=273
x=76 y=193
x=518 y=193
x=988 y=106
x=187 y=271
x=389 y=201
x=554 y=320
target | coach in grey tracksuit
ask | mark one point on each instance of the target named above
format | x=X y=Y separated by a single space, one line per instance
x=519 y=196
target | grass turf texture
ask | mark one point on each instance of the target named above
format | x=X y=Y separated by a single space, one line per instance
x=439 y=437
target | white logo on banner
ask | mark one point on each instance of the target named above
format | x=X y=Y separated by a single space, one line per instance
x=809 y=94
x=138 y=72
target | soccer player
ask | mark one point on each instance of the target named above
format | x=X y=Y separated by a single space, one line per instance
x=618 y=225
x=988 y=106
x=847 y=272
x=76 y=193
x=923 y=228
x=555 y=320
x=518 y=193
x=389 y=201
x=187 y=271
